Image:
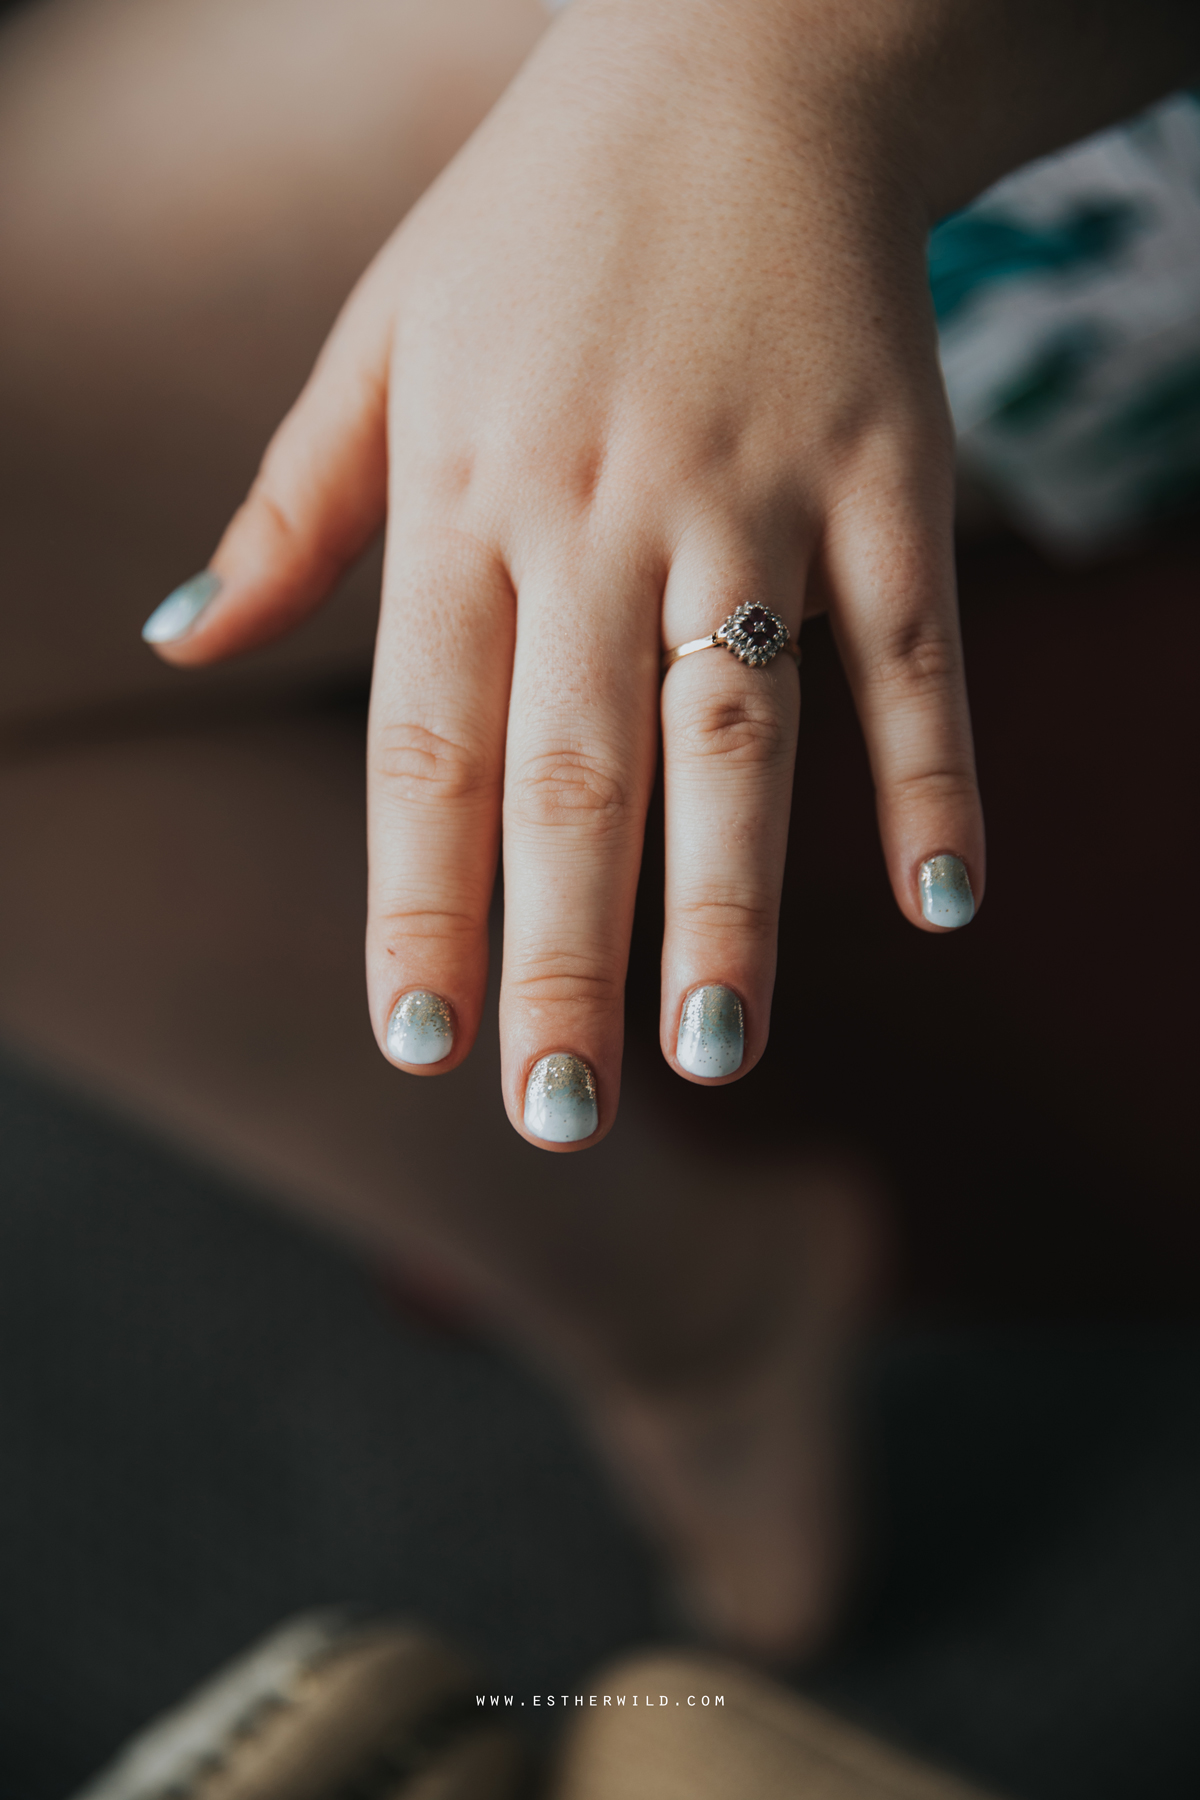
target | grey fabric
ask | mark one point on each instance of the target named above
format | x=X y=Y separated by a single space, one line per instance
x=209 y=1419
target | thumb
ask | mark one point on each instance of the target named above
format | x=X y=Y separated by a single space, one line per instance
x=317 y=501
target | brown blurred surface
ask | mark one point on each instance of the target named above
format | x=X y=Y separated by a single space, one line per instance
x=211 y=1420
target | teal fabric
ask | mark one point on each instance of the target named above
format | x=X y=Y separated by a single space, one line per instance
x=1068 y=304
x=970 y=250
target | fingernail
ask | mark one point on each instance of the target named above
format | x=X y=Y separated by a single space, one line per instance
x=946 y=897
x=560 y=1100
x=711 y=1032
x=421 y=1029
x=180 y=610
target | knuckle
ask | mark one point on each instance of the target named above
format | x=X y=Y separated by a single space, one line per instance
x=950 y=789
x=569 y=787
x=563 y=978
x=282 y=504
x=268 y=499
x=267 y=516
x=422 y=769
x=427 y=925
x=571 y=474
x=728 y=914
x=918 y=656
x=745 y=729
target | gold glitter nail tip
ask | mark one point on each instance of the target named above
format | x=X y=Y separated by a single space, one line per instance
x=712 y=1034
x=946 y=897
x=421 y=1029
x=560 y=1099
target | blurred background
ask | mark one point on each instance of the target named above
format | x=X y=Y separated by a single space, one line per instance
x=218 y=1407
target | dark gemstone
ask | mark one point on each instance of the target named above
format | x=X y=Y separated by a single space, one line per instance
x=759 y=626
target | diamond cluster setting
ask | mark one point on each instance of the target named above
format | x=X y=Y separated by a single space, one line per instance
x=754 y=634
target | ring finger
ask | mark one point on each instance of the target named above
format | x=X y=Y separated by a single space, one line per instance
x=729 y=746
x=579 y=769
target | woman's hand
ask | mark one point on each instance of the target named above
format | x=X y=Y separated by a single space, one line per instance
x=657 y=343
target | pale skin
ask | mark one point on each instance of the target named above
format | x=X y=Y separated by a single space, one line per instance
x=596 y=423
x=657 y=341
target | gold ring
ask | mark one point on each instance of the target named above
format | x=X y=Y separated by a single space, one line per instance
x=754 y=634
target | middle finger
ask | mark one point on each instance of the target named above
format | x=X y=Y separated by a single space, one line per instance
x=578 y=773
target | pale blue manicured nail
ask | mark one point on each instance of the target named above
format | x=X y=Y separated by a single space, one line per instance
x=560 y=1100
x=946 y=897
x=180 y=610
x=711 y=1032
x=421 y=1029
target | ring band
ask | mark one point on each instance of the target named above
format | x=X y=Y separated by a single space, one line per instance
x=754 y=634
